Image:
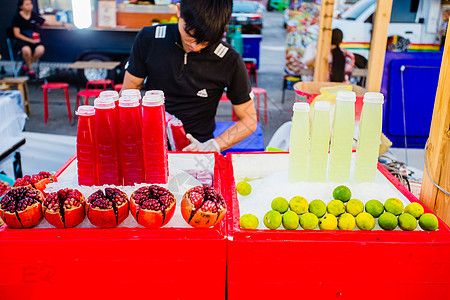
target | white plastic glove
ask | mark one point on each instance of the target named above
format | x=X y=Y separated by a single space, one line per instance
x=209 y=145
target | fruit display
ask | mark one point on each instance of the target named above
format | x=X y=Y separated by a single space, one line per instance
x=341 y=212
x=21 y=207
x=203 y=207
x=64 y=208
x=38 y=181
x=152 y=206
x=107 y=209
x=4 y=187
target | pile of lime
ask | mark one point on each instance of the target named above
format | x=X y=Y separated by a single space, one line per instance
x=342 y=212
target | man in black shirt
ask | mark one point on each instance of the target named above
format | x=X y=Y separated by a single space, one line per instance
x=192 y=65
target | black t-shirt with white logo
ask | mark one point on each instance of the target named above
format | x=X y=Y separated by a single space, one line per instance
x=192 y=82
x=27 y=26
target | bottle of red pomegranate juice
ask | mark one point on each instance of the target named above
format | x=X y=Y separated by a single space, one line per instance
x=107 y=145
x=86 y=149
x=154 y=138
x=115 y=96
x=130 y=141
x=179 y=135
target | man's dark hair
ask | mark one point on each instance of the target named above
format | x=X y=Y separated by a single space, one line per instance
x=19 y=4
x=336 y=37
x=206 y=19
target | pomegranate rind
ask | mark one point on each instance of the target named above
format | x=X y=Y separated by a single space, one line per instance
x=29 y=218
x=73 y=217
x=106 y=218
x=151 y=218
x=200 y=218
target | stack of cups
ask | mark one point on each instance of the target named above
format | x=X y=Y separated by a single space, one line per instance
x=154 y=137
x=86 y=146
x=107 y=145
x=130 y=141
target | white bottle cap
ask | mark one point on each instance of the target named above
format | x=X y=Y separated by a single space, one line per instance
x=347 y=96
x=322 y=105
x=132 y=92
x=152 y=99
x=371 y=97
x=301 y=107
x=128 y=101
x=154 y=92
x=86 y=110
x=104 y=103
x=107 y=94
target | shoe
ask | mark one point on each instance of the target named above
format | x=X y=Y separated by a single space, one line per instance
x=24 y=68
x=31 y=74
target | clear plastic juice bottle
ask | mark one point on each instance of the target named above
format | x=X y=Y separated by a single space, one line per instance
x=342 y=137
x=154 y=138
x=320 y=139
x=130 y=141
x=107 y=144
x=86 y=146
x=299 y=143
x=368 y=146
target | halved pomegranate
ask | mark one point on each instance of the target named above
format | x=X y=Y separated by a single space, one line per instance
x=152 y=206
x=38 y=181
x=64 y=208
x=21 y=207
x=203 y=207
x=108 y=209
x=4 y=187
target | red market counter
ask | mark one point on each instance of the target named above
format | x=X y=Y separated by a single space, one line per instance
x=315 y=264
x=119 y=263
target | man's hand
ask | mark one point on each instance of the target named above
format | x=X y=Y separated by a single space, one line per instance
x=209 y=145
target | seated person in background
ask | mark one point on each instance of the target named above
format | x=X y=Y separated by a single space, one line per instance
x=341 y=62
x=25 y=27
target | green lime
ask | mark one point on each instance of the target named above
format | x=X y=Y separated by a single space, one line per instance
x=248 y=221
x=299 y=205
x=393 y=205
x=309 y=221
x=280 y=204
x=346 y=222
x=244 y=188
x=318 y=207
x=328 y=222
x=374 y=207
x=342 y=193
x=336 y=207
x=290 y=220
x=388 y=221
x=354 y=207
x=414 y=209
x=407 y=222
x=272 y=219
x=428 y=222
x=365 y=221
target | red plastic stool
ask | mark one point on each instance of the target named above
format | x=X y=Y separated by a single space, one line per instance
x=54 y=86
x=258 y=92
x=224 y=98
x=118 y=87
x=87 y=94
x=104 y=83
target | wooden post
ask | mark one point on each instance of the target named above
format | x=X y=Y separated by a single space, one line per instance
x=438 y=147
x=324 y=41
x=378 y=45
